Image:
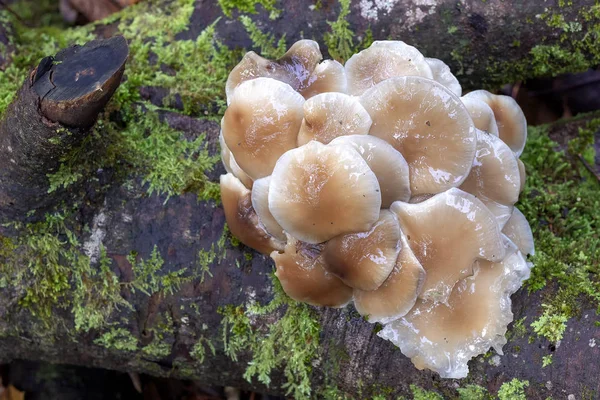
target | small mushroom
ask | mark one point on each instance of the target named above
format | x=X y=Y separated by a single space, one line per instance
x=444 y=337
x=428 y=125
x=383 y=60
x=512 y=125
x=329 y=115
x=364 y=260
x=522 y=174
x=241 y=218
x=388 y=165
x=518 y=230
x=302 y=276
x=442 y=74
x=231 y=165
x=328 y=76
x=494 y=177
x=318 y=192
x=448 y=233
x=260 y=202
x=482 y=114
x=398 y=294
x=261 y=123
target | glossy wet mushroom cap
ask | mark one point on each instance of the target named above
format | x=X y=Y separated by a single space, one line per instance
x=260 y=202
x=522 y=174
x=518 y=230
x=328 y=76
x=442 y=74
x=481 y=114
x=231 y=165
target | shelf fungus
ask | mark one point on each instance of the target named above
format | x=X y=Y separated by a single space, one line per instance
x=376 y=183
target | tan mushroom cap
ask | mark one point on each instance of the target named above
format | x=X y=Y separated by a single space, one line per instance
x=294 y=68
x=398 y=294
x=429 y=125
x=329 y=115
x=388 y=165
x=518 y=230
x=302 y=276
x=482 y=115
x=494 y=176
x=241 y=218
x=442 y=74
x=383 y=60
x=328 y=76
x=260 y=202
x=261 y=123
x=444 y=337
x=318 y=192
x=522 y=174
x=512 y=125
x=448 y=233
x=231 y=165
x=364 y=260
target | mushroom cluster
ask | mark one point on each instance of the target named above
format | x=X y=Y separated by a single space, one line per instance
x=376 y=182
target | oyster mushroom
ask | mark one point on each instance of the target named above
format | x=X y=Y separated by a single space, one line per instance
x=231 y=165
x=303 y=278
x=482 y=114
x=447 y=233
x=318 y=192
x=242 y=220
x=329 y=115
x=328 y=76
x=522 y=174
x=519 y=232
x=364 y=260
x=261 y=124
x=383 y=60
x=260 y=202
x=442 y=74
x=428 y=125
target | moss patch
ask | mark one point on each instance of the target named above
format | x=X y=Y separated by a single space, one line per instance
x=513 y=390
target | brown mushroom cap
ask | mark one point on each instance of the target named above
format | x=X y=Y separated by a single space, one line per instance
x=398 y=294
x=444 y=337
x=318 y=192
x=231 y=165
x=329 y=115
x=364 y=260
x=241 y=218
x=519 y=232
x=302 y=276
x=388 y=165
x=383 y=60
x=442 y=74
x=328 y=76
x=512 y=125
x=522 y=174
x=494 y=177
x=260 y=202
x=429 y=125
x=448 y=233
x=482 y=114
x=261 y=123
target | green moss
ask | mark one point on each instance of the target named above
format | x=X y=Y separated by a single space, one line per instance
x=264 y=41
x=513 y=390
x=546 y=360
x=249 y=7
x=118 y=339
x=340 y=42
x=473 y=392
x=422 y=394
x=198 y=351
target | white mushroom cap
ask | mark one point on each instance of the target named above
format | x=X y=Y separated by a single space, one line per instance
x=448 y=233
x=522 y=174
x=442 y=74
x=303 y=278
x=231 y=165
x=260 y=202
x=444 y=337
x=328 y=76
x=482 y=115
x=364 y=260
x=512 y=125
x=241 y=218
x=383 y=60
x=329 y=115
x=388 y=165
x=318 y=192
x=398 y=294
x=262 y=123
x=301 y=60
x=518 y=230
x=429 y=125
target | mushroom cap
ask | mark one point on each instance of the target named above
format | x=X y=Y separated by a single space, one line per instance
x=444 y=337
x=364 y=260
x=383 y=60
x=398 y=294
x=519 y=232
x=318 y=192
x=260 y=202
x=329 y=115
x=328 y=76
x=481 y=114
x=522 y=174
x=388 y=165
x=512 y=125
x=231 y=165
x=302 y=276
x=429 y=125
x=241 y=218
x=447 y=233
x=261 y=123
x=300 y=61
x=442 y=74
